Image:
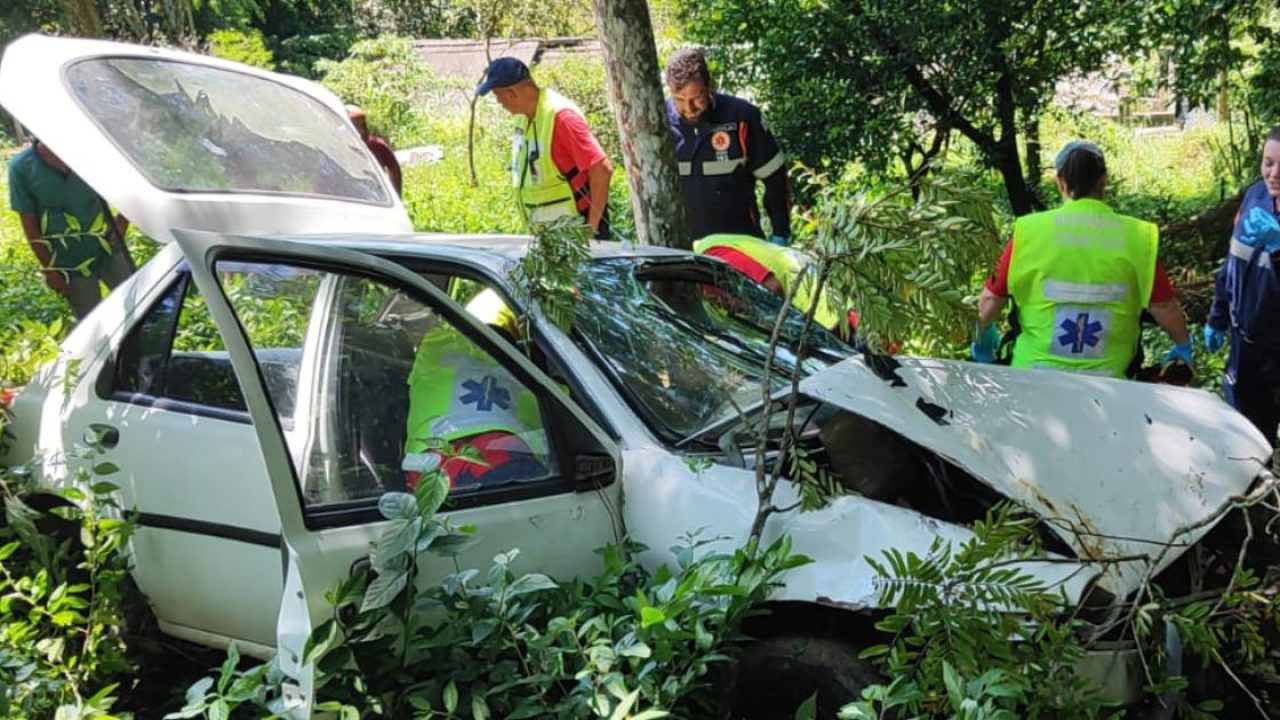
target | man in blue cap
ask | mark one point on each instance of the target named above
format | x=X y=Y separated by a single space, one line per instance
x=558 y=168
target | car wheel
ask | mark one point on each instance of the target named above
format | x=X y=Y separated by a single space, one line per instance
x=776 y=675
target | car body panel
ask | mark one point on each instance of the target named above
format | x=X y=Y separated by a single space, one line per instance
x=1119 y=468
x=668 y=500
x=35 y=89
x=555 y=533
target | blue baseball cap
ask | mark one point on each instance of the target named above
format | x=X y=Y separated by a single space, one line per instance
x=1071 y=147
x=503 y=72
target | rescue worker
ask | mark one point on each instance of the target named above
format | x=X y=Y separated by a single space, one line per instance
x=1080 y=277
x=459 y=394
x=779 y=269
x=558 y=168
x=1246 y=301
x=722 y=149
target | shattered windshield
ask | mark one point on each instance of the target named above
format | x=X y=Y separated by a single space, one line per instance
x=194 y=128
x=686 y=340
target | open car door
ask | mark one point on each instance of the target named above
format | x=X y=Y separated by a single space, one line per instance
x=373 y=373
x=179 y=140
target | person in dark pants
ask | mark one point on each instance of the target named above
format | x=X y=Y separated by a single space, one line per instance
x=75 y=237
x=722 y=149
x=1246 y=301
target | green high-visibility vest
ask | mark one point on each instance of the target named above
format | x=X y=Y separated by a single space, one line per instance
x=544 y=194
x=790 y=267
x=1081 y=276
x=457 y=390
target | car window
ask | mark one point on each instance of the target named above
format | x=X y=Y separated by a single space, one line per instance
x=398 y=390
x=685 y=341
x=176 y=352
x=190 y=127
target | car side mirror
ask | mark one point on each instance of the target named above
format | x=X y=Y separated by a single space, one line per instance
x=593 y=471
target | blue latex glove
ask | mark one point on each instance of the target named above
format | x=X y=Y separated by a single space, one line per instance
x=985 y=344
x=779 y=240
x=1260 y=227
x=1214 y=340
x=1181 y=351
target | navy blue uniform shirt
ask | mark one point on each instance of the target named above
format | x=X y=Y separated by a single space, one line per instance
x=720 y=158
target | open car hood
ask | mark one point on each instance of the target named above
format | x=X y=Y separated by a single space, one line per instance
x=179 y=140
x=1118 y=468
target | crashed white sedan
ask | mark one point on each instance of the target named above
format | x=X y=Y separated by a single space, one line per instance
x=254 y=383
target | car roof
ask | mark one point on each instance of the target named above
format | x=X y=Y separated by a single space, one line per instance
x=495 y=251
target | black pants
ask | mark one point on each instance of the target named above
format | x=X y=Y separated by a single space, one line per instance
x=1252 y=383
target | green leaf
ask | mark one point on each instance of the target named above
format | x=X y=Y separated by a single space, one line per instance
x=384 y=589
x=808 y=709
x=650 y=616
x=532 y=582
x=397 y=506
x=106 y=468
x=451 y=697
x=431 y=493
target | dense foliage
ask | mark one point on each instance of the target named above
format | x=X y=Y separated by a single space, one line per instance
x=625 y=644
x=63 y=571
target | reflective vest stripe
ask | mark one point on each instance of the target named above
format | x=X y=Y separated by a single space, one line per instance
x=722 y=167
x=771 y=167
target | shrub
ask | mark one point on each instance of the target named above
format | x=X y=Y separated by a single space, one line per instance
x=625 y=644
x=298 y=54
x=246 y=47
x=62 y=573
x=386 y=77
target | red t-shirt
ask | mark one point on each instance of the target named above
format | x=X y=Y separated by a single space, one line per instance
x=998 y=281
x=740 y=261
x=573 y=146
x=386 y=157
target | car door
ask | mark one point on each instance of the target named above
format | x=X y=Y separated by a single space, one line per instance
x=549 y=486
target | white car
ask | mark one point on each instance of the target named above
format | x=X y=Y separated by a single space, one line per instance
x=252 y=381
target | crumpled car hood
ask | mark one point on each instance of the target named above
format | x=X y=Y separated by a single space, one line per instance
x=1119 y=468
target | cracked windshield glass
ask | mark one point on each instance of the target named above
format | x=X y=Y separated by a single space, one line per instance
x=193 y=128
x=686 y=342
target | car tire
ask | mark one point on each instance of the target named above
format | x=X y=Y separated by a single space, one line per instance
x=776 y=675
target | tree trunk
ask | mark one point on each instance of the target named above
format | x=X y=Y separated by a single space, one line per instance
x=1033 y=157
x=83 y=18
x=631 y=64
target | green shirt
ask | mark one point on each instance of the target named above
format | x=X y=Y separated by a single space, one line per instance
x=71 y=214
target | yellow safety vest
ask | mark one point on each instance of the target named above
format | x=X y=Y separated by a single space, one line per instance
x=457 y=390
x=790 y=267
x=543 y=193
x=1081 y=276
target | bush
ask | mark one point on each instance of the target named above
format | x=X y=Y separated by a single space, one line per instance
x=246 y=47
x=508 y=646
x=63 y=571
x=386 y=77
x=298 y=54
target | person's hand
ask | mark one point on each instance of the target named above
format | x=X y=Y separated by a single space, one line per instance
x=1179 y=353
x=779 y=240
x=1214 y=339
x=56 y=280
x=985 y=344
x=1260 y=227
